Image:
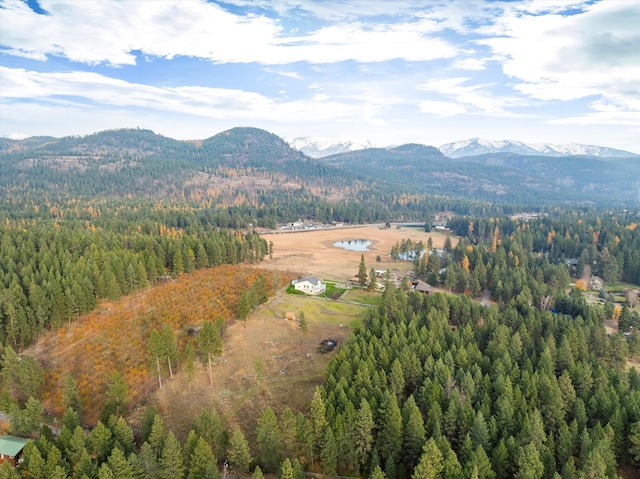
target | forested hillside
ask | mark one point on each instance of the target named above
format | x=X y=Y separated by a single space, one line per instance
x=500 y=177
x=133 y=162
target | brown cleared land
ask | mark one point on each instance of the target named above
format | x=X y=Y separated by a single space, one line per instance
x=292 y=366
x=114 y=337
x=311 y=252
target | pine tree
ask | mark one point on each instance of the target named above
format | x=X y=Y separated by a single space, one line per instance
x=238 y=454
x=413 y=430
x=157 y=435
x=431 y=463
x=148 y=461
x=71 y=396
x=377 y=473
x=244 y=306
x=105 y=472
x=286 y=470
x=169 y=346
x=120 y=467
x=362 y=273
x=451 y=468
x=177 y=262
x=123 y=434
x=257 y=473
x=209 y=426
x=362 y=435
x=329 y=454
x=371 y=285
x=85 y=466
x=480 y=461
x=171 y=464
x=529 y=464
x=634 y=439
x=36 y=464
x=155 y=348
x=302 y=321
x=268 y=440
x=318 y=419
x=116 y=392
x=389 y=442
x=101 y=441
x=298 y=473
x=202 y=462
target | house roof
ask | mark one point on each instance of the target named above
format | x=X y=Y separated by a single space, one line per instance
x=12 y=445
x=422 y=287
x=311 y=279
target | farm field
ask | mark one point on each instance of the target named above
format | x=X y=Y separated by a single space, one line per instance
x=311 y=252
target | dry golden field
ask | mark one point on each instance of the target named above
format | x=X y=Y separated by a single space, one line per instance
x=311 y=252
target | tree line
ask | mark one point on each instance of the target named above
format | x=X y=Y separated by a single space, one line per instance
x=52 y=272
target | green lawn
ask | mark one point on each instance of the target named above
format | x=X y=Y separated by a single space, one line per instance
x=316 y=310
x=363 y=297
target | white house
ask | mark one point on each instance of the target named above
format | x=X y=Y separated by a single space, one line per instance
x=309 y=285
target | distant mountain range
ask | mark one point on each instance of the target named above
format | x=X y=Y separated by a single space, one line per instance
x=480 y=146
x=319 y=147
x=252 y=165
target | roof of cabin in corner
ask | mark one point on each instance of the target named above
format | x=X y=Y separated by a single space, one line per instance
x=12 y=445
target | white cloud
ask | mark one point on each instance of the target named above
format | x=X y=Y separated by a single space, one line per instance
x=472 y=98
x=612 y=117
x=566 y=57
x=109 y=31
x=87 y=88
x=334 y=10
x=289 y=74
x=441 y=108
x=471 y=64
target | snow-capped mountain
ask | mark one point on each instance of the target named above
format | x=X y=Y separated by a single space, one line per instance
x=479 y=146
x=317 y=146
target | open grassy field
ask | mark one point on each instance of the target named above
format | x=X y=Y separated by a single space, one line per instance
x=311 y=252
x=291 y=365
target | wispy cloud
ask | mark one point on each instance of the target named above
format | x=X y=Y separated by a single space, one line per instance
x=85 y=88
x=472 y=98
x=441 y=108
x=112 y=31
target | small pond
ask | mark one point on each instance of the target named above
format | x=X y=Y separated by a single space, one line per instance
x=409 y=255
x=353 y=245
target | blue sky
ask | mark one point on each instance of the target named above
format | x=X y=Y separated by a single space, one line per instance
x=391 y=72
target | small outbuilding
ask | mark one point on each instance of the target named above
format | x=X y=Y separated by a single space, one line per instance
x=11 y=448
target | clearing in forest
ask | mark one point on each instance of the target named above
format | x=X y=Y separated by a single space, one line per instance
x=311 y=252
x=265 y=361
